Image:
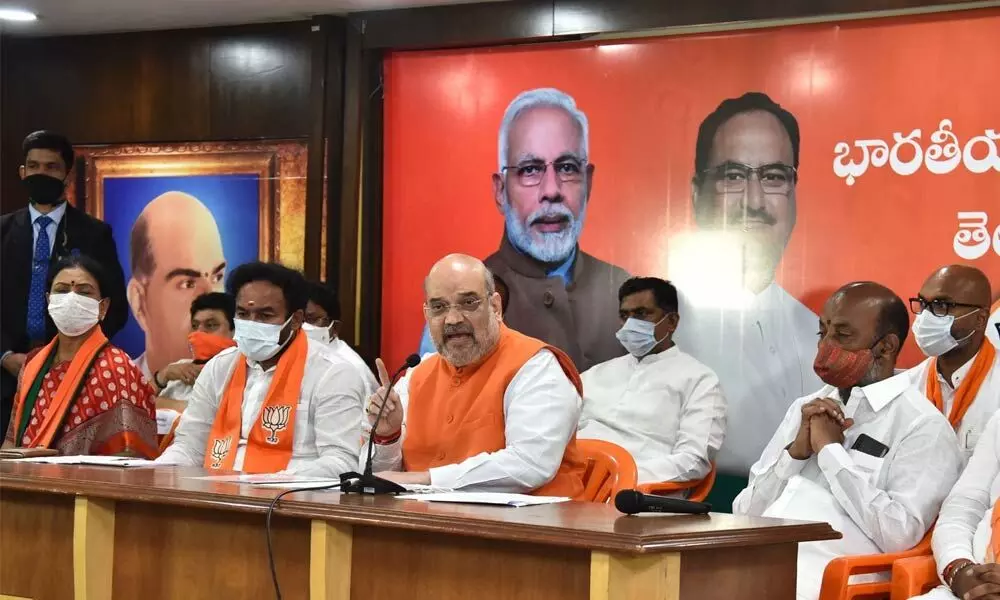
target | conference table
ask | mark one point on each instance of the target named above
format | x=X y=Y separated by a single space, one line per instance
x=101 y=533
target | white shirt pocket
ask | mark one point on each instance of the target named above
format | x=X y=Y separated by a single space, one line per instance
x=867 y=463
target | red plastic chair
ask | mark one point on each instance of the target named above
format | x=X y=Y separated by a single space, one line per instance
x=699 y=489
x=610 y=469
x=837 y=577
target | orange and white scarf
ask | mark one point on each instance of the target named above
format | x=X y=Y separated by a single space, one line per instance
x=968 y=390
x=269 y=446
x=65 y=393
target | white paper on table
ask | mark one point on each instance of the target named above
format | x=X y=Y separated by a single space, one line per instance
x=270 y=479
x=330 y=484
x=516 y=500
x=100 y=461
x=419 y=488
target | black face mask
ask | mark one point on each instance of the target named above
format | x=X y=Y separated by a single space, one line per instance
x=43 y=189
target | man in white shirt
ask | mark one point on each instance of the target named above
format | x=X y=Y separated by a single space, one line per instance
x=967 y=535
x=657 y=402
x=962 y=374
x=755 y=336
x=867 y=453
x=278 y=401
x=323 y=325
x=494 y=410
x=212 y=328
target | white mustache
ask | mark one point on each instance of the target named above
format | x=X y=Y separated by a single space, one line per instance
x=551 y=210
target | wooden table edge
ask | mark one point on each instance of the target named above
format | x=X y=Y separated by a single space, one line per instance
x=463 y=526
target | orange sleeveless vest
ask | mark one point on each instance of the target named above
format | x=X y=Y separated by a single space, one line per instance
x=457 y=413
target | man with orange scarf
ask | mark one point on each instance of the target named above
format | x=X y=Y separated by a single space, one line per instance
x=967 y=537
x=212 y=325
x=278 y=401
x=494 y=410
x=962 y=374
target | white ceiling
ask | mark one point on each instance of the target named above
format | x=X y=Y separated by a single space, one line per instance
x=62 y=17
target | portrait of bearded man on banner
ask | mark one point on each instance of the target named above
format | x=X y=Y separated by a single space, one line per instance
x=558 y=293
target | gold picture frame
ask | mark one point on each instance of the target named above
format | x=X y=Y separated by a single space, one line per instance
x=279 y=165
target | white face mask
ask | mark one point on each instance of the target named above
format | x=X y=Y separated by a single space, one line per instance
x=259 y=341
x=74 y=314
x=317 y=333
x=639 y=337
x=933 y=333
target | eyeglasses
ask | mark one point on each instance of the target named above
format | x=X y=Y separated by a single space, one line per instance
x=939 y=308
x=530 y=174
x=732 y=177
x=466 y=306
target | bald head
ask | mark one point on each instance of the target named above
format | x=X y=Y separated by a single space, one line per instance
x=171 y=218
x=866 y=316
x=958 y=283
x=462 y=309
x=459 y=271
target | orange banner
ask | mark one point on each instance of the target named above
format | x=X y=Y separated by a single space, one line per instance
x=898 y=169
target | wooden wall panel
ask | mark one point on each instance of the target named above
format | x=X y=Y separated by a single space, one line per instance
x=188 y=85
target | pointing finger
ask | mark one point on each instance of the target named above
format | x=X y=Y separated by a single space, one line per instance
x=383 y=373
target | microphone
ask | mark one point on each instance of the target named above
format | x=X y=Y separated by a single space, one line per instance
x=632 y=502
x=367 y=482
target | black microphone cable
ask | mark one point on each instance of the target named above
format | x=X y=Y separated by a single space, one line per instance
x=267 y=527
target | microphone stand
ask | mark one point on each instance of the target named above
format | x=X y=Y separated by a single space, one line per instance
x=367 y=482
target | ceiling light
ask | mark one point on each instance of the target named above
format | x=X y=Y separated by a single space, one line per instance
x=15 y=14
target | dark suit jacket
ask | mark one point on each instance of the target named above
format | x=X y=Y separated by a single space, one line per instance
x=78 y=232
x=580 y=319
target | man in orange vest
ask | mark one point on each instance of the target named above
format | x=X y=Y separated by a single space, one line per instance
x=967 y=537
x=493 y=410
x=962 y=374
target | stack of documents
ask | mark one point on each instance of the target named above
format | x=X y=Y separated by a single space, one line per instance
x=516 y=500
x=275 y=480
x=100 y=461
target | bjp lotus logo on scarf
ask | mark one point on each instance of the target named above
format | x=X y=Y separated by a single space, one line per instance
x=275 y=419
x=220 y=448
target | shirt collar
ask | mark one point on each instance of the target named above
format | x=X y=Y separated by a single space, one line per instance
x=56 y=215
x=565 y=269
x=881 y=393
x=655 y=358
x=960 y=373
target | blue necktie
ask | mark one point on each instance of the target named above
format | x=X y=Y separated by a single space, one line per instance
x=39 y=274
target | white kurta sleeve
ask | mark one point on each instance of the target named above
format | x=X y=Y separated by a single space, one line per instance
x=336 y=417
x=770 y=474
x=700 y=432
x=191 y=436
x=969 y=501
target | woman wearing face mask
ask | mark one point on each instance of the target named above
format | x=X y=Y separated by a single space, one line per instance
x=79 y=394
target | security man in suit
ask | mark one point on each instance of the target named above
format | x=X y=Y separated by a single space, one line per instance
x=32 y=239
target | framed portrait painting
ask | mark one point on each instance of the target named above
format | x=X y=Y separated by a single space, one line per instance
x=182 y=217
